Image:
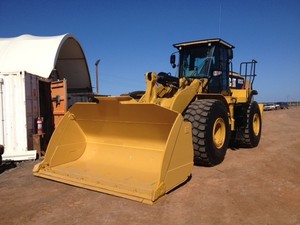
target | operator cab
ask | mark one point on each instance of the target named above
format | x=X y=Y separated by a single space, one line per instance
x=206 y=59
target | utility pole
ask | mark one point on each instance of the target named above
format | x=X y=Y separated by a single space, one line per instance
x=97 y=76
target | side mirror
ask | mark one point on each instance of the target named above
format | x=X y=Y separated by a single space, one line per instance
x=173 y=60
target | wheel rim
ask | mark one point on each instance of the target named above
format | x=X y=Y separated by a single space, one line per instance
x=256 y=124
x=219 y=133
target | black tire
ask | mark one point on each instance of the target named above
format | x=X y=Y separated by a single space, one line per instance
x=248 y=135
x=1 y=152
x=209 y=118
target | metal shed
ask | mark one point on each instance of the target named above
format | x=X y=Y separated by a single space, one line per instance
x=40 y=77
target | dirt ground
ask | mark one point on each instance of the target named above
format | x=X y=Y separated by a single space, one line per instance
x=252 y=186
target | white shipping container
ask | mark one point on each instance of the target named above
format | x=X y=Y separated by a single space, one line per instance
x=56 y=77
x=19 y=107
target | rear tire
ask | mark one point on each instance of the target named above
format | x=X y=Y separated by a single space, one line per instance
x=211 y=131
x=248 y=135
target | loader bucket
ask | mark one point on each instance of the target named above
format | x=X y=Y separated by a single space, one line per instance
x=133 y=150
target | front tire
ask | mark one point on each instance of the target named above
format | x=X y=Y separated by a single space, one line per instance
x=211 y=131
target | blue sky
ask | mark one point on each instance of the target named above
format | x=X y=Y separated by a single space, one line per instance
x=133 y=37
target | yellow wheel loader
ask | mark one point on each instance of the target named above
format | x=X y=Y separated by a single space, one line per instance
x=142 y=149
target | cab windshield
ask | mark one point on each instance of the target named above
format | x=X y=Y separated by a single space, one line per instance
x=196 y=61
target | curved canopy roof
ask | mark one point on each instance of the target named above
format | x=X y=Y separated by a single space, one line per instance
x=55 y=57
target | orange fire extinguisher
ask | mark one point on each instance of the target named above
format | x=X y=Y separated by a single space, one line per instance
x=39 y=125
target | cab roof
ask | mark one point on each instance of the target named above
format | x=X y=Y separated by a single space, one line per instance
x=206 y=41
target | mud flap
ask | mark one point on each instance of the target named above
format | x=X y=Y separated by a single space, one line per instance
x=133 y=150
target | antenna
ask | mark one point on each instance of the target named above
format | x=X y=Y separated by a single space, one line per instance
x=220 y=15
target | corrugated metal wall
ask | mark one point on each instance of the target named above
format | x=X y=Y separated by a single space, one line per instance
x=15 y=101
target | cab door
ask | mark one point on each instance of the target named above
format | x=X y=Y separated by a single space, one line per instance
x=219 y=81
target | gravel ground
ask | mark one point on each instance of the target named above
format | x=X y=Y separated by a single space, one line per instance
x=252 y=186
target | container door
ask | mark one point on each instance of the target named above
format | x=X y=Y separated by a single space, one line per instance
x=32 y=106
x=20 y=106
x=1 y=115
x=59 y=100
